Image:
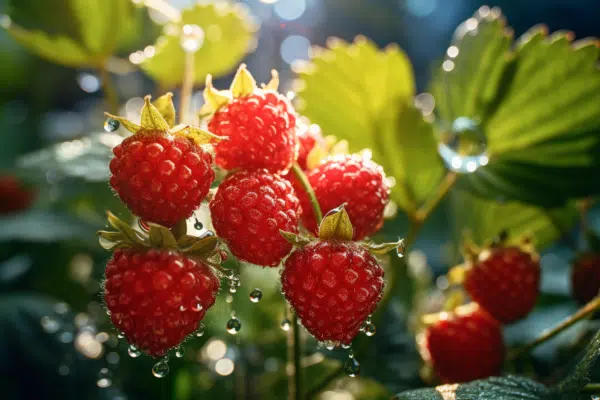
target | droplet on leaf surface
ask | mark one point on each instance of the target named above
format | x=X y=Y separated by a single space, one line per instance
x=111 y=125
x=463 y=147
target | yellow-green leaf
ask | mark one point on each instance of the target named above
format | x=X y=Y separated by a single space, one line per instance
x=229 y=31
x=336 y=225
x=164 y=105
x=151 y=117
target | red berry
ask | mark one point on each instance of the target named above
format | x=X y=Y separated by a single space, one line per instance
x=308 y=136
x=248 y=211
x=161 y=178
x=14 y=197
x=505 y=282
x=464 y=346
x=260 y=131
x=157 y=297
x=354 y=180
x=585 y=277
x=333 y=287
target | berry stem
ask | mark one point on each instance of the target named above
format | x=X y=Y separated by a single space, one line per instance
x=294 y=359
x=309 y=191
x=593 y=388
x=187 y=87
x=110 y=92
x=442 y=190
x=548 y=334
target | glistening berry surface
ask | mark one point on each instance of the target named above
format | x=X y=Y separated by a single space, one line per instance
x=354 y=180
x=505 y=282
x=308 y=136
x=260 y=132
x=248 y=211
x=161 y=178
x=585 y=277
x=464 y=347
x=333 y=287
x=157 y=297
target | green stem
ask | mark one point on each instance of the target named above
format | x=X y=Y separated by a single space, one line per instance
x=110 y=92
x=187 y=88
x=593 y=388
x=301 y=176
x=584 y=312
x=442 y=190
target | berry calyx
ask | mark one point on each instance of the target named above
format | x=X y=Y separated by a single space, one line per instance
x=585 y=277
x=259 y=124
x=463 y=345
x=504 y=280
x=162 y=173
x=248 y=211
x=354 y=180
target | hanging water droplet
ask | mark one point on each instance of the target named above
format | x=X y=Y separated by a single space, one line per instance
x=104 y=378
x=285 y=325
x=133 y=352
x=111 y=125
x=370 y=329
x=161 y=368
x=50 y=325
x=121 y=335
x=330 y=346
x=179 y=352
x=192 y=38
x=400 y=249
x=463 y=147
x=198 y=225
x=232 y=288
x=346 y=346
x=255 y=295
x=352 y=366
x=197 y=307
x=234 y=325
x=200 y=331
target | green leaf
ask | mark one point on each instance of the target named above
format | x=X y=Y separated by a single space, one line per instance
x=484 y=219
x=495 y=388
x=360 y=93
x=336 y=225
x=543 y=138
x=570 y=386
x=161 y=237
x=229 y=33
x=88 y=33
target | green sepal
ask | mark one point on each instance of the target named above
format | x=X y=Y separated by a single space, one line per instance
x=164 y=105
x=274 y=82
x=336 y=225
x=294 y=239
x=384 y=248
x=130 y=126
x=198 y=135
x=129 y=234
x=243 y=83
x=110 y=240
x=179 y=229
x=202 y=247
x=151 y=118
x=213 y=98
x=161 y=237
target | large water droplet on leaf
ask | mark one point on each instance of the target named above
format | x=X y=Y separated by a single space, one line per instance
x=463 y=147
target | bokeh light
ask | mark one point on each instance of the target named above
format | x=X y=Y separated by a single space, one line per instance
x=295 y=47
x=224 y=367
x=290 y=10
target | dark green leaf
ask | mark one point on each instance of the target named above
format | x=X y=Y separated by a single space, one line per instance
x=580 y=376
x=495 y=388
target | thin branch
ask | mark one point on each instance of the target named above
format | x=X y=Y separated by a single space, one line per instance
x=110 y=92
x=187 y=88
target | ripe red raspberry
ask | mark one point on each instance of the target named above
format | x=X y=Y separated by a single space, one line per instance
x=157 y=297
x=333 y=286
x=249 y=209
x=260 y=132
x=161 y=178
x=585 y=277
x=505 y=282
x=463 y=346
x=354 y=180
x=14 y=197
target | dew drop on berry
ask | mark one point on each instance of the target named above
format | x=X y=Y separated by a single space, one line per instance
x=198 y=225
x=285 y=325
x=463 y=146
x=161 y=368
x=255 y=295
x=179 y=352
x=182 y=308
x=352 y=366
x=111 y=125
x=104 y=378
x=370 y=329
x=234 y=325
x=346 y=346
x=400 y=249
x=197 y=307
x=200 y=331
x=120 y=335
x=50 y=325
x=133 y=352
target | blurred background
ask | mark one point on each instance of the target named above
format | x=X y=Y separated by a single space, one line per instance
x=55 y=339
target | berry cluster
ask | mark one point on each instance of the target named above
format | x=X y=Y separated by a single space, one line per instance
x=466 y=343
x=160 y=281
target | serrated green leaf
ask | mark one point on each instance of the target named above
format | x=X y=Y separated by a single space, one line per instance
x=360 y=93
x=161 y=237
x=336 y=225
x=543 y=137
x=484 y=219
x=495 y=388
x=164 y=105
x=228 y=30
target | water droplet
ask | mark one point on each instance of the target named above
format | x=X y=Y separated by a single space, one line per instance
x=463 y=147
x=192 y=38
x=330 y=346
x=285 y=325
x=179 y=352
x=400 y=249
x=200 y=331
x=234 y=325
x=133 y=352
x=50 y=325
x=121 y=335
x=197 y=307
x=232 y=289
x=370 y=329
x=198 y=225
x=111 y=125
x=161 y=368
x=182 y=308
x=346 y=346
x=104 y=378
x=352 y=366
x=255 y=295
